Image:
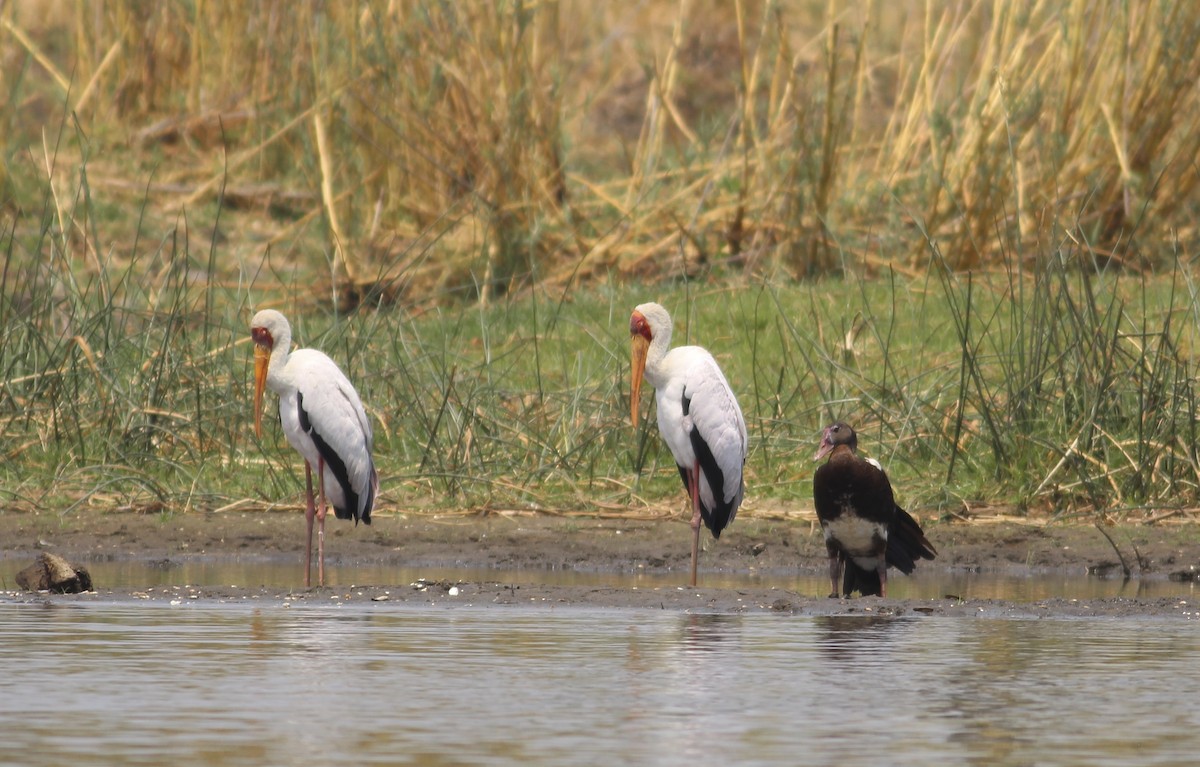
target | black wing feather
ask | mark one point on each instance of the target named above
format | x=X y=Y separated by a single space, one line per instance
x=907 y=543
x=715 y=519
x=337 y=466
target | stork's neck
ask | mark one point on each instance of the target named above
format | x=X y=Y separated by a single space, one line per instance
x=281 y=346
x=656 y=372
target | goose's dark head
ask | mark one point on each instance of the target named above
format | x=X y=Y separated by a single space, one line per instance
x=835 y=435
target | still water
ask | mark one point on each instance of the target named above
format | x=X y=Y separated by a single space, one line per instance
x=232 y=684
x=1021 y=585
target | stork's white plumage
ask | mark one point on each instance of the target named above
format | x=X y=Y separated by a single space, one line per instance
x=698 y=417
x=324 y=420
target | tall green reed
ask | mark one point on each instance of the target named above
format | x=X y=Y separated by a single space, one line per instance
x=124 y=376
x=1079 y=386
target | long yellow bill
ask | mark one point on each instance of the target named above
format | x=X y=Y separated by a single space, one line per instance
x=262 y=357
x=638 y=346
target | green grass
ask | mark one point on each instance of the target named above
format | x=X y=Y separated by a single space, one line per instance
x=1067 y=389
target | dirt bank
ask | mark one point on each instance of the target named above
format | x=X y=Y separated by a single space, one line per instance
x=531 y=542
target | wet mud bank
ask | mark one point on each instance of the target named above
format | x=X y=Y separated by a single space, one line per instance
x=531 y=543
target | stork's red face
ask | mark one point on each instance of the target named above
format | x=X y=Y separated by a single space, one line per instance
x=639 y=342
x=262 y=337
x=263 y=344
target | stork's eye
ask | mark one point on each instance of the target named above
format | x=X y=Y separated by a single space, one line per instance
x=639 y=326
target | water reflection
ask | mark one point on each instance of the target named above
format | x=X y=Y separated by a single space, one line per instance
x=846 y=638
x=678 y=685
x=929 y=583
x=1096 y=690
x=361 y=684
x=703 y=631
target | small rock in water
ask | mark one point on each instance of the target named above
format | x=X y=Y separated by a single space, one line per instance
x=53 y=573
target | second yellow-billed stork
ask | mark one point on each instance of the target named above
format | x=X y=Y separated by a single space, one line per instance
x=698 y=417
x=324 y=420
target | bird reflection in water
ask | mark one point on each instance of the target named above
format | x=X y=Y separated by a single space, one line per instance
x=704 y=632
x=846 y=637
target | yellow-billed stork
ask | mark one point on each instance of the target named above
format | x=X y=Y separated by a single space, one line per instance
x=324 y=420
x=698 y=416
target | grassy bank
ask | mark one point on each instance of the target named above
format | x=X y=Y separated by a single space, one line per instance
x=1062 y=390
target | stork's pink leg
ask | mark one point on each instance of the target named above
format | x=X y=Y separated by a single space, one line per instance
x=322 y=509
x=694 y=492
x=309 y=512
x=882 y=570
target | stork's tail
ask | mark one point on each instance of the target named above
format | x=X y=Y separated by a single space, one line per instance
x=372 y=492
x=356 y=508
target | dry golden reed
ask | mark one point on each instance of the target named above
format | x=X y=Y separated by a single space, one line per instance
x=473 y=148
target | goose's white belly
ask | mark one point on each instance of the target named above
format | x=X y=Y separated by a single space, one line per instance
x=856 y=536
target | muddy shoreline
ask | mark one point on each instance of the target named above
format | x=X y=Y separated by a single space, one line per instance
x=532 y=542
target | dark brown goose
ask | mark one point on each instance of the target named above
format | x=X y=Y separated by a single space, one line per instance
x=865 y=531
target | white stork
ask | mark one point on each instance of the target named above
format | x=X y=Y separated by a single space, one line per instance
x=698 y=416
x=323 y=420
